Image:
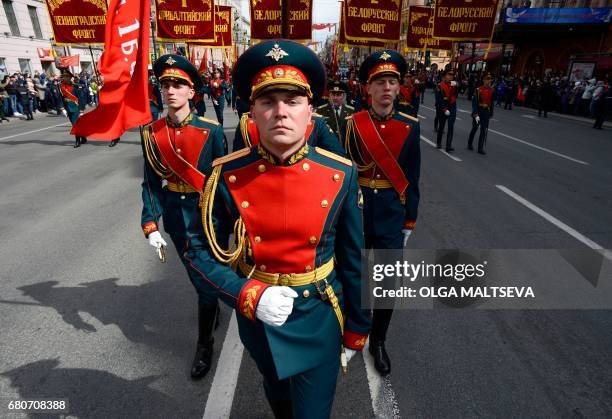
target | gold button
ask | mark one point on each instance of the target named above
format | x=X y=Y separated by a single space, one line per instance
x=306 y=166
x=306 y=293
x=382 y=126
x=375 y=190
x=178 y=132
x=232 y=179
x=313 y=239
x=257 y=239
x=262 y=268
x=245 y=204
x=178 y=150
x=182 y=196
x=372 y=183
x=336 y=177
x=308 y=268
x=324 y=203
x=261 y=168
x=377 y=176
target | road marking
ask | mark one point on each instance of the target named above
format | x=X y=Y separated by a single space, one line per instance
x=538 y=147
x=427 y=107
x=384 y=402
x=431 y=143
x=458 y=119
x=461 y=110
x=529 y=116
x=555 y=221
x=36 y=130
x=422 y=117
x=221 y=395
x=493 y=119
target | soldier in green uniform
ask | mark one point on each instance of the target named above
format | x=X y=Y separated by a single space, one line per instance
x=178 y=149
x=298 y=234
x=71 y=103
x=336 y=111
x=385 y=145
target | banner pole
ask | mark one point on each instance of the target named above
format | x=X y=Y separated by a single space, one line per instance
x=94 y=64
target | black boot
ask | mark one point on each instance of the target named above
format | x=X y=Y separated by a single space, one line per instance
x=83 y=140
x=282 y=409
x=207 y=317
x=77 y=142
x=381 y=359
x=114 y=142
x=481 y=151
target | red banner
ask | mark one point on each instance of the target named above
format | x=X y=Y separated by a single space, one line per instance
x=353 y=43
x=300 y=20
x=420 y=30
x=321 y=26
x=185 y=20
x=456 y=21
x=124 y=100
x=265 y=19
x=365 y=21
x=68 y=61
x=224 y=27
x=77 y=21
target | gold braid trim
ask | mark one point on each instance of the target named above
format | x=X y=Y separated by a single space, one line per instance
x=151 y=154
x=207 y=200
x=244 y=129
x=347 y=145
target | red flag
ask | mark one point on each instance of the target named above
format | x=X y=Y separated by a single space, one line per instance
x=204 y=62
x=69 y=61
x=124 y=102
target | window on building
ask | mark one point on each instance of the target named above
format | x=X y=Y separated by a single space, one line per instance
x=24 y=65
x=3 y=70
x=35 y=22
x=10 y=16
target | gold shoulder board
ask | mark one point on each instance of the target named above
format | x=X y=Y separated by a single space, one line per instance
x=323 y=106
x=408 y=116
x=210 y=121
x=231 y=156
x=333 y=156
x=316 y=114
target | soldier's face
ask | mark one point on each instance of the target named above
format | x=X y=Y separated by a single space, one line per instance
x=337 y=99
x=175 y=94
x=384 y=90
x=281 y=117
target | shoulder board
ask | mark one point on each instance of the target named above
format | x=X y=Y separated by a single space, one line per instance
x=333 y=156
x=210 y=121
x=316 y=114
x=349 y=117
x=408 y=116
x=349 y=107
x=323 y=106
x=231 y=156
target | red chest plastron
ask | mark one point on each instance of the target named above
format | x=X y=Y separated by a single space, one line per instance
x=284 y=209
x=450 y=92
x=394 y=133
x=486 y=97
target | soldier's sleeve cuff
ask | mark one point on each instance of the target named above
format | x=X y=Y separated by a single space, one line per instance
x=149 y=227
x=409 y=224
x=354 y=341
x=248 y=297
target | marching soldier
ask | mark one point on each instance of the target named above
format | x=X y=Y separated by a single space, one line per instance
x=71 y=103
x=295 y=212
x=409 y=97
x=385 y=145
x=336 y=111
x=155 y=97
x=482 y=111
x=446 y=107
x=177 y=151
x=218 y=89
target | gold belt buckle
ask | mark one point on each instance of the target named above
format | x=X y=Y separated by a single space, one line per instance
x=283 y=279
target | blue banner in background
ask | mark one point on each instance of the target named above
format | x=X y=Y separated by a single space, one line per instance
x=565 y=15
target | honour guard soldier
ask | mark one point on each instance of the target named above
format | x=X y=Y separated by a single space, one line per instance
x=336 y=111
x=177 y=150
x=482 y=111
x=218 y=88
x=295 y=212
x=155 y=98
x=71 y=103
x=385 y=145
x=408 y=98
x=446 y=107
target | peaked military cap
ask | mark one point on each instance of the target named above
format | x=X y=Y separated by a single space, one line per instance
x=382 y=63
x=177 y=67
x=278 y=65
x=336 y=87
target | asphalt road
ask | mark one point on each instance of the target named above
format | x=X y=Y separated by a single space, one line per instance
x=88 y=314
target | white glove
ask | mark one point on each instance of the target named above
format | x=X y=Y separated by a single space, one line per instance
x=407 y=234
x=416 y=82
x=453 y=83
x=156 y=240
x=275 y=305
x=64 y=112
x=477 y=118
x=349 y=354
x=447 y=112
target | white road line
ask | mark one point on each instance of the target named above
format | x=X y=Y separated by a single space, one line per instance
x=538 y=147
x=529 y=116
x=464 y=111
x=427 y=107
x=431 y=143
x=422 y=117
x=36 y=130
x=221 y=395
x=458 y=119
x=555 y=221
x=384 y=402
